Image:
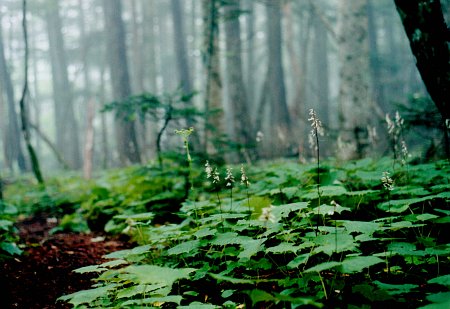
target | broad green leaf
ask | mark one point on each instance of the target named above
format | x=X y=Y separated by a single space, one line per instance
x=442 y=280
x=331 y=243
x=198 y=305
x=139 y=289
x=229 y=238
x=395 y=289
x=283 y=211
x=157 y=301
x=152 y=274
x=87 y=296
x=184 y=247
x=283 y=248
x=323 y=266
x=257 y=296
x=11 y=248
x=205 y=231
x=219 y=278
x=439 y=300
x=325 y=191
x=123 y=254
x=5 y=224
x=301 y=259
x=399 y=206
x=360 y=226
x=251 y=247
x=358 y=263
x=90 y=269
x=328 y=210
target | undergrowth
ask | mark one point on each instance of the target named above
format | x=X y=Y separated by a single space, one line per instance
x=269 y=240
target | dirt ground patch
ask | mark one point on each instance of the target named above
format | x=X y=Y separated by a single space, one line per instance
x=44 y=272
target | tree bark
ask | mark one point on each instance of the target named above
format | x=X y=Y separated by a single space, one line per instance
x=429 y=39
x=67 y=139
x=23 y=113
x=276 y=92
x=243 y=130
x=13 y=146
x=126 y=138
x=213 y=92
x=354 y=103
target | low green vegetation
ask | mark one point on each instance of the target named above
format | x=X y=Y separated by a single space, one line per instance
x=261 y=236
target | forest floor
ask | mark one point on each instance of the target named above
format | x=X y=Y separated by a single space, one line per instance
x=44 y=272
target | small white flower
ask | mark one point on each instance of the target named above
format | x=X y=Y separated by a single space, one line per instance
x=208 y=170
x=229 y=178
x=316 y=124
x=390 y=125
x=388 y=182
x=215 y=176
x=267 y=215
x=259 y=136
x=244 y=178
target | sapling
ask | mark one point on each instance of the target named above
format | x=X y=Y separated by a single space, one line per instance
x=316 y=130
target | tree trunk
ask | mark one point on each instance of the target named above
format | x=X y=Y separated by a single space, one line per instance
x=67 y=139
x=13 y=144
x=243 y=130
x=126 y=138
x=276 y=92
x=213 y=92
x=354 y=108
x=22 y=104
x=429 y=39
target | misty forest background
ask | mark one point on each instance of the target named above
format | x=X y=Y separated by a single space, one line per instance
x=110 y=81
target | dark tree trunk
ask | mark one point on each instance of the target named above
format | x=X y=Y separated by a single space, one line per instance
x=67 y=139
x=243 y=129
x=13 y=146
x=429 y=39
x=127 y=144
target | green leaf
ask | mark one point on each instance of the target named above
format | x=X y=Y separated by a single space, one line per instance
x=395 y=289
x=151 y=274
x=251 y=247
x=10 y=247
x=442 y=280
x=439 y=300
x=358 y=263
x=87 y=296
x=323 y=266
x=155 y=300
x=90 y=269
x=184 y=247
x=301 y=259
x=260 y=296
x=139 y=289
x=327 y=243
x=122 y=254
x=231 y=279
x=283 y=211
x=283 y=248
x=325 y=191
x=198 y=305
x=229 y=238
x=361 y=227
